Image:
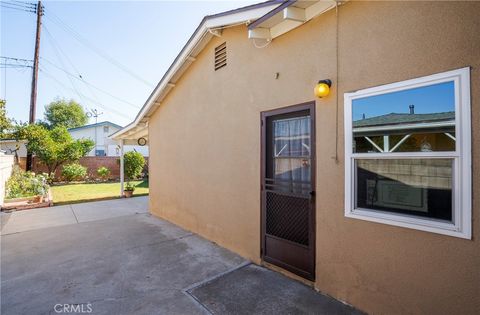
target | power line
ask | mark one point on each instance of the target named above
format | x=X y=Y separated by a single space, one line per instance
x=21 y=4
x=93 y=101
x=24 y=2
x=55 y=19
x=82 y=96
x=59 y=57
x=11 y=63
x=17 y=59
x=60 y=50
x=14 y=6
x=73 y=67
x=79 y=77
x=16 y=65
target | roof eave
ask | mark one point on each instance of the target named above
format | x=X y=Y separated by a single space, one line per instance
x=95 y=125
x=288 y=16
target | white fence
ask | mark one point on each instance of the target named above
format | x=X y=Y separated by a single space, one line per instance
x=6 y=164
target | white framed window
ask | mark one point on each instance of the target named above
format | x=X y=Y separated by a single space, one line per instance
x=408 y=154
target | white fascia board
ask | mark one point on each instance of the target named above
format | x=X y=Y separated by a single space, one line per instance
x=207 y=24
x=239 y=17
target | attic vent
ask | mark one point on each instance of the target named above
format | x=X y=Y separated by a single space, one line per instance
x=220 y=56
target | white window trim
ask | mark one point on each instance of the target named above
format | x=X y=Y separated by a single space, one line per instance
x=462 y=168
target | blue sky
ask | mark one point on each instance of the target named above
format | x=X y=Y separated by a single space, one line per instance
x=435 y=98
x=144 y=37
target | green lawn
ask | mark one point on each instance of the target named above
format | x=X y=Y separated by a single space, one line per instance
x=74 y=193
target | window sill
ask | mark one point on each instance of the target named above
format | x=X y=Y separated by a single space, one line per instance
x=411 y=222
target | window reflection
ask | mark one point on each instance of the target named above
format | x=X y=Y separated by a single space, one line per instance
x=291 y=153
x=415 y=120
x=421 y=187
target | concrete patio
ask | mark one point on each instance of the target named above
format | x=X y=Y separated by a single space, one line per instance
x=112 y=257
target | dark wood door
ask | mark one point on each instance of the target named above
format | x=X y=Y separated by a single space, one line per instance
x=288 y=196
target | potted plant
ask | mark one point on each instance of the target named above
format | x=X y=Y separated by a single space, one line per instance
x=128 y=190
x=134 y=163
x=39 y=187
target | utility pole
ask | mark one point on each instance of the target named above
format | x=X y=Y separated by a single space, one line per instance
x=33 y=96
x=94 y=113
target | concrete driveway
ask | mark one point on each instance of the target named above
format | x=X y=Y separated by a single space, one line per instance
x=112 y=257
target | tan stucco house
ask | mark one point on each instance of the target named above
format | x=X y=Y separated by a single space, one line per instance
x=369 y=192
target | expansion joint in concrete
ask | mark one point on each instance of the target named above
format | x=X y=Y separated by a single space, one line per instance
x=187 y=291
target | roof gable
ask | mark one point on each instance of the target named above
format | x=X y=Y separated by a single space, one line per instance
x=210 y=26
x=102 y=123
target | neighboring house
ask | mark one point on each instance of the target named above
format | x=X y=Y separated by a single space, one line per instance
x=17 y=148
x=14 y=147
x=244 y=153
x=105 y=146
x=100 y=131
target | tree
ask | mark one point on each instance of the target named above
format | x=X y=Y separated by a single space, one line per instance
x=5 y=122
x=56 y=146
x=65 y=113
x=133 y=164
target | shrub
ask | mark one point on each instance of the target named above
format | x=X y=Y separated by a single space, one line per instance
x=129 y=186
x=103 y=172
x=74 y=171
x=134 y=163
x=25 y=184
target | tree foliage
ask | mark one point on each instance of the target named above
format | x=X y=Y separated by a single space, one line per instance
x=5 y=122
x=133 y=164
x=65 y=113
x=54 y=147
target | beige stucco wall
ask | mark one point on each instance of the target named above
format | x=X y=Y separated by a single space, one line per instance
x=205 y=149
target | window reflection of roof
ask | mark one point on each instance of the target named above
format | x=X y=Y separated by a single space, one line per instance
x=397 y=118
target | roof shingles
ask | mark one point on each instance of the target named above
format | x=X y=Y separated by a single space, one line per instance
x=397 y=118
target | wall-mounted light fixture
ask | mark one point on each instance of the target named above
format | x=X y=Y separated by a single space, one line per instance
x=322 y=88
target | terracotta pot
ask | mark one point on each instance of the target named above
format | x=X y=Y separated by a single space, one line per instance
x=38 y=199
x=128 y=193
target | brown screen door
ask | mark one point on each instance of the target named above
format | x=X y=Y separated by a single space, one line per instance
x=288 y=181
